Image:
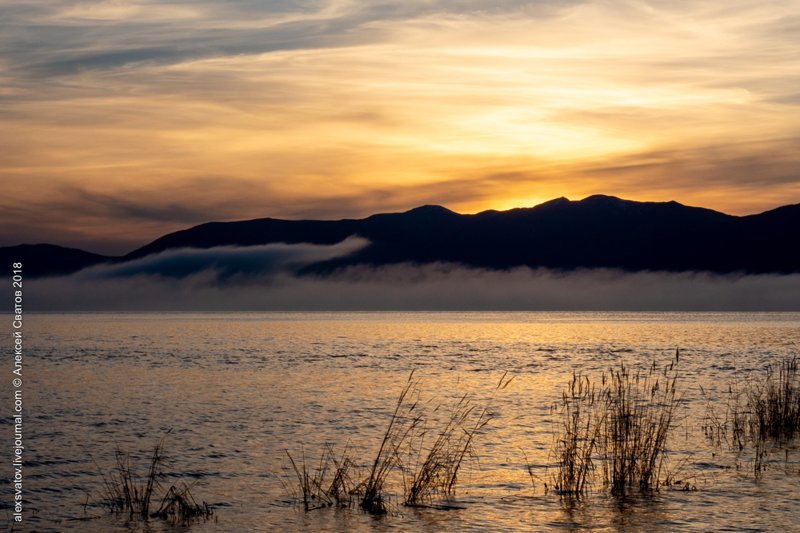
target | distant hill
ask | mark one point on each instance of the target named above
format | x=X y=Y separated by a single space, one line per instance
x=598 y=231
x=48 y=259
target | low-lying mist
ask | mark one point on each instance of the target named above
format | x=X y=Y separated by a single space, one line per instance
x=265 y=278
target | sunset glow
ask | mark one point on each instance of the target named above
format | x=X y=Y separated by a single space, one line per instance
x=123 y=120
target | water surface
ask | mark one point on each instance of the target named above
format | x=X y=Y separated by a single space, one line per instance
x=237 y=390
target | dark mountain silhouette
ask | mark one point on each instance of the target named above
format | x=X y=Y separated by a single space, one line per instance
x=48 y=259
x=599 y=231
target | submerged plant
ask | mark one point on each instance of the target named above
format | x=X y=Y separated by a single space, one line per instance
x=335 y=480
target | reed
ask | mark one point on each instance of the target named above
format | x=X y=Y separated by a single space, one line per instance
x=335 y=480
x=124 y=491
x=405 y=420
x=343 y=484
x=577 y=441
x=637 y=419
x=764 y=415
x=774 y=403
x=127 y=492
x=178 y=506
x=730 y=426
x=621 y=424
x=330 y=483
x=427 y=471
x=437 y=474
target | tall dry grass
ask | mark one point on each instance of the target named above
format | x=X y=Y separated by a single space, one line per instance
x=759 y=417
x=125 y=491
x=615 y=430
x=403 y=424
x=775 y=402
x=437 y=474
x=331 y=483
x=427 y=471
x=576 y=443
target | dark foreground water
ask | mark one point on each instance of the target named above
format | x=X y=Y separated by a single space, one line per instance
x=237 y=390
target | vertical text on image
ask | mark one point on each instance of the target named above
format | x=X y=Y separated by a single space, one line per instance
x=16 y=381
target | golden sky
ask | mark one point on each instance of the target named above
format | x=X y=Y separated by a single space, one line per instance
x=122 y=120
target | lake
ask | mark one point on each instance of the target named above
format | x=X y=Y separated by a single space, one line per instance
x=235 y=391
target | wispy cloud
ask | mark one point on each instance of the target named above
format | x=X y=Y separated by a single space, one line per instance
x=133 y=118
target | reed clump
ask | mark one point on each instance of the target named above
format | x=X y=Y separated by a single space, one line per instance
x=178 y=506
x=763 y=415
x=639 y=410
x=615 y=429
x=331 y=483
x=437 y=474
x=427 y=471
x=124 y=491
x=127 y=492
x=403 y=424
x=337 y=480
x=729 y=427
x=774 y=403
x=576 y=443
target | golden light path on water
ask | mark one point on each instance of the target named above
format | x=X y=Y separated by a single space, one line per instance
x=238 y=390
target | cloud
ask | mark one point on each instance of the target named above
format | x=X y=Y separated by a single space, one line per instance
x=197 y=280
x=100 y=33
x=225 y=263
x=134 y=118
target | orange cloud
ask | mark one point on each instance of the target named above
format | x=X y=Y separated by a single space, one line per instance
x=128 y=121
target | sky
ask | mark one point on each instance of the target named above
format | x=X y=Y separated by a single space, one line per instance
x=123 y=120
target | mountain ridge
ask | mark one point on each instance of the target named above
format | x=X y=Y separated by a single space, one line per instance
x=599 y=231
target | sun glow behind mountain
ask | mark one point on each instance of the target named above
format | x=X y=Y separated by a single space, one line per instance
x=131 y=119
